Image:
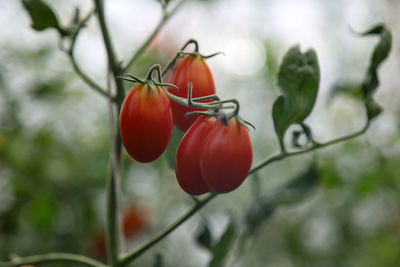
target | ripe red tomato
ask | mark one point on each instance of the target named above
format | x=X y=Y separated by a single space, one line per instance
x=135 y=220
x=145 y=122
x=195 y=70
x=227 y=155
x=187 y=161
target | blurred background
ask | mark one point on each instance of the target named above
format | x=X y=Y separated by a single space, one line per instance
x=55 y=143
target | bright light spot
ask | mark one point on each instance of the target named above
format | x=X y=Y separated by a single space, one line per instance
x=244 y=56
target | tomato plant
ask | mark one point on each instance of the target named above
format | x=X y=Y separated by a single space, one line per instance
x=227 y=155
x=187 y=162
x=145 y=122
x=214 y=155
x=135 y=220
x=194 y=69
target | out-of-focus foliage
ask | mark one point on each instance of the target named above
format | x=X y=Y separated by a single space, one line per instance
x=52 y=178
x=42 y=16
x=48 y=181
x=298 y=77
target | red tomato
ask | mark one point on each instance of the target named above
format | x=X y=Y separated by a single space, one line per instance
x=134 y=221
x=187 y=161
x=195 y=70
x=227 y=155
x=145 y=122
x=99 y=245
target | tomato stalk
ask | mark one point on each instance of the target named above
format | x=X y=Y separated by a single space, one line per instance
x=167 y=14
x=181 y=53
x=113 y=190
x=52 y=257
x=189 y=101
x=70 y=52
x=191 y=41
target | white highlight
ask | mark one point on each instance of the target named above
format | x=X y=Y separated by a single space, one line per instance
x=244 y=57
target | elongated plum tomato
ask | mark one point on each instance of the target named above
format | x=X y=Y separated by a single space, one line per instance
x=192 y=69
x=145 y=122
x=227 y=155
x=187 y=161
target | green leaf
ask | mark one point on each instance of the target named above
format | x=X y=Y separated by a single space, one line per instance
x=298 y=77
x=45 y=90
x=306 y=132
x=298 y=187
x=330 y=177
x=373 y=108
x=42 y=16
x=204 y=237
x=41 y=210
x=223 y=246
x=295 y=138
x=371 y=81
x=380 y=53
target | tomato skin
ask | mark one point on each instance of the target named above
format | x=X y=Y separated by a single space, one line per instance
x=187 y=161
x=134 y=221
x=145 y=122
x=192 y=69
x=227 y=155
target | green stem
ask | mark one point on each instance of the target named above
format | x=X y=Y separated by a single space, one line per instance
x=191 y=41
x=112 y=59
x=87 y=79
x=316 y=146
x=75 y=65
x=113 y=191
x=135 y=254
x=179 y=54
x=52 y=257
x=145 y=45
x=201 y=203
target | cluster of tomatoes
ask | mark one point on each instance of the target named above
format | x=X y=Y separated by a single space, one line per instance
x=215 y=152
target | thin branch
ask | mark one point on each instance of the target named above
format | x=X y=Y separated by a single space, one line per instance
x=52 y=257
x=201 y=203
x=112 y=59
x=316 y=146
x=145 y=45
x=88 y=80
x=114 y=183
x=135 y=254
x=75 y=65
x=113 y=227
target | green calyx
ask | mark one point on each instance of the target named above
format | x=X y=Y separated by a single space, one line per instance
x=149 y=78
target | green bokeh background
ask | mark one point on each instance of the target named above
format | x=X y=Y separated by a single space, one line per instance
x=55 y=143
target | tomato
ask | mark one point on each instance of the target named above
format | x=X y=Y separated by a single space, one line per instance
x=98 y=246
x=134 y=221
x=187 y=161
x=195 y=70
x=227 y=155
x=145 y=122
